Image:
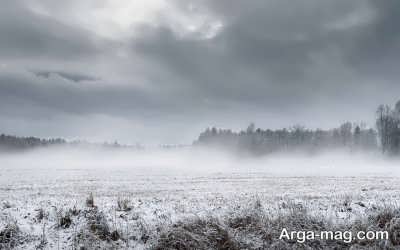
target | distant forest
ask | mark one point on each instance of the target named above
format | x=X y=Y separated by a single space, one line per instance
x=352 y=137
x=349 y=136
x=9 y=143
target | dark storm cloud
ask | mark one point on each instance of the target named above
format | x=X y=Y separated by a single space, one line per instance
x=377 y=47
x=25 y=34
x=276 y=53
x=275 y=62
x=272 y=41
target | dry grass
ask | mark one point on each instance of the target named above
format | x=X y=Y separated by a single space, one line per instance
x=254 y=229
x=10 y=235
x=243 y=227
x=196 y=234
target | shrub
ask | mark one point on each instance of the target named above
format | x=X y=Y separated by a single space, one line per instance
x=98 y=225
x=123 y=205
x=40 y=215
x=65 y=221
x=197 y=234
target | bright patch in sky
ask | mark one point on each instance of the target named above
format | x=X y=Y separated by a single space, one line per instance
x=116 y=19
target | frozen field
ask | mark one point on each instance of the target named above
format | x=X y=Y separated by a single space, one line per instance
x=45 y=206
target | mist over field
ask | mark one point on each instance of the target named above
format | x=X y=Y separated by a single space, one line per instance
x=199 y=160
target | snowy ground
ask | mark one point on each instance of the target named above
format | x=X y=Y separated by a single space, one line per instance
x=49 y=206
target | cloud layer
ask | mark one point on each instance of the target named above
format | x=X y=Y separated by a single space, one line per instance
x=159 y=71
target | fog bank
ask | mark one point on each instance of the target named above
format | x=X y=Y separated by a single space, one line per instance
x=199 y=161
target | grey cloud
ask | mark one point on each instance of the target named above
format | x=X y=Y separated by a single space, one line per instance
x=267 y=49
x=275 y=62
x=249 y=60
x=25 y=34
x=376 y=48
x=75 y=77
x=68 y=97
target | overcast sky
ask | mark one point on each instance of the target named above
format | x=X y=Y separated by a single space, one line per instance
x=156 y=71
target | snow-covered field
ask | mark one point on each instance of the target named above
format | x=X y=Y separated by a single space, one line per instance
x=45 y=199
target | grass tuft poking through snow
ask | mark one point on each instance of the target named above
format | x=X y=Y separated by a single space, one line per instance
x=10 y=235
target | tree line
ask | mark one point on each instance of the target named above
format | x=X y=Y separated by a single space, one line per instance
x=10 y=142
x=14 y=143
x=348 y=136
